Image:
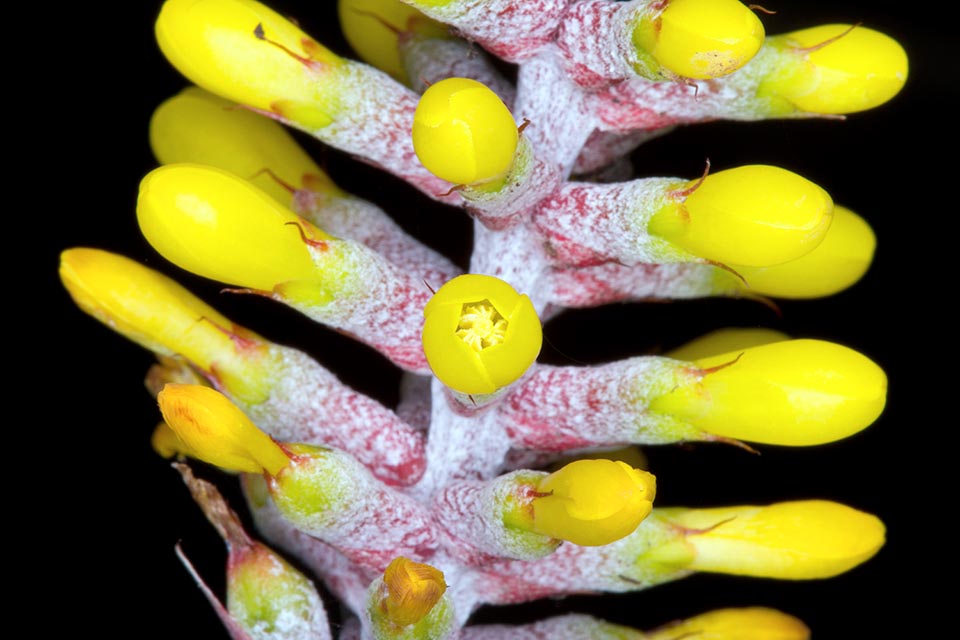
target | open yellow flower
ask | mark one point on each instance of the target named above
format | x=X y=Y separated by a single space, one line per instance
x=479 y=334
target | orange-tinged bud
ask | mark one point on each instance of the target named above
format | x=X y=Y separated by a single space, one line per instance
x=216 y=431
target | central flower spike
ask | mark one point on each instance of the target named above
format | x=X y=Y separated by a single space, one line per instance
x=698 y=39
x=479 y=334
x=463 y=132
x=755 y=215
x=593 y=502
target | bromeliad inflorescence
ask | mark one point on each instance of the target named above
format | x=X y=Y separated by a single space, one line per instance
x=494 y=480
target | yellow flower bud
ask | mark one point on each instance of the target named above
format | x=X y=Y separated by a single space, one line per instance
x=463 y=132
x=791 y=540
x=795 y=392
x=593 y=502
x=167 y=444
x=217 y=225
x=214 y=430
x=755 y=215
x=479 y=334
x=412 y=589
x=835 y=68
x=199 y=127
x=749 y=623
x=699 y=39
x=373 y=28
x=160 y=315
x=838 y=262
x=724 y=341
x=248 y=53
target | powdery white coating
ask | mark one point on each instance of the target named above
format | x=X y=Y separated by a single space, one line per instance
x=586 y=224
x=414 y=405
x=308 y=404
x=470 y=514
x=459 y=447
x=610 y=282
x=560 y=120
x=616 y=567
x=637 y=103
x=573 y=626
x=375 y=301
x=595 y=37
x=567 y=408
x=329 y=495
x=429 y=60
x=368 y=224
x=346 y=581
x=514 y=255
x=300 y=614
x=603 y=148
x=374 y=121
x=513 y=30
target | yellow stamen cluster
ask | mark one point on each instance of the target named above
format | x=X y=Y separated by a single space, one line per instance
x=481 y=326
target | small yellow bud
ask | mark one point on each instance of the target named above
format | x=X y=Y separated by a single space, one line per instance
x=166 y=442
x=838 y=262
x=217 y=225
x=479 y=334
x=412 y=590
x=248 y=53
x=593 y=502
x=795 y=392
x=160 y=315
x=836 y=68
x=749 y=623
x=724 y=341
x=699 y=39
x=791 y=540
x=214 y=430
x=463 y=132
x=755 y=215
x=373 y=29
x=199 y=127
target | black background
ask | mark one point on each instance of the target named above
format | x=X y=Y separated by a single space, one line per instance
x=99 y=513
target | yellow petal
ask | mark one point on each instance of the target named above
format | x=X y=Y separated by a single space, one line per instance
x=413 y=588
x=216 y=431
x=199 y=127
x=463 y=132
x=593 y=502
x=795 y=392
x=837 y=263
x=749 y=623
x=214 y=224
x=215 y=44
x=790 y=540
x=755 y=215
x=855 y=69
